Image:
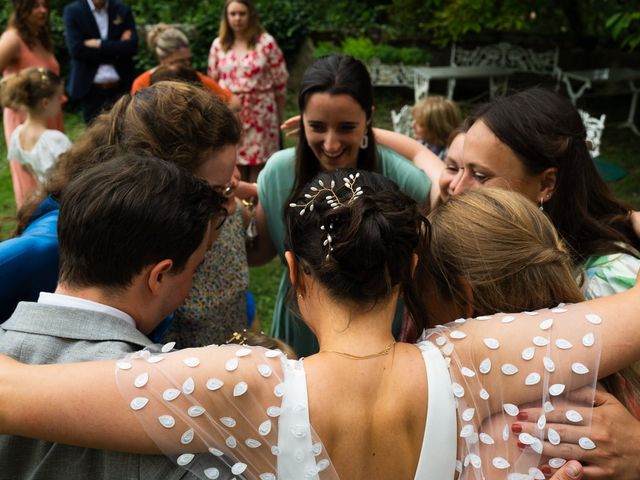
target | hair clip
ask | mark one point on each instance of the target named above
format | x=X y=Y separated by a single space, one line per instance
x=332 y=198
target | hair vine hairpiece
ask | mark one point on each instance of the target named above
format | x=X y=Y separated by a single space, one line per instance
x=332 y=200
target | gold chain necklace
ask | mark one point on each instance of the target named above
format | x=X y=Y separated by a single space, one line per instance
x=382 y=352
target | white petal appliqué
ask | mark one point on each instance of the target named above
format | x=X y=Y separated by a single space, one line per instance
x=188 y=386
x=265 y=370
x=546 y=324
x=557 y=462
x=123 y=365
x=573 y=416
x=265 y=428
x=549 y=365
x=138 y=403
x=272 y=353
x=586 y=443
x=231 y=364
x=536 y=473
x=252 y=443
x=491 y=343
x=528 y=353
x=593 y=318
x=167 y=347
x=447 y=349
x=191 y=362
x=278 y=390
x=548 y=407
x=467 y=372
x=273 y=412
x=505 y=433
x=500 y=463
x=238 y=468
x=588 y=340
x=458 y=334
x=141 y=380
x=187 y=437
x=509 y=369
x=212 y=473
x=559 y=309
x=531 y=314
x=556 y=389
x=532 y=379
x=216 y=452
x=563 y=344
x=228 y=422
x=231 y=441
x=579 y=368
x=155 y=359
x=170 y=394
x=167 y=421
x=553 y=436
x=267 y=476
x=458 y=390
x=195 y=411
x=542 y=422
x=243 y=352
x=508 y=319
x=526 y=438
x=539 y=341
x=468 y=414
x=214 y=384
x=185 y=459
x=240 y=389
x=487 y=439
x=485 y=366
x=484 y=394
x=467 y=431
x=511 y=409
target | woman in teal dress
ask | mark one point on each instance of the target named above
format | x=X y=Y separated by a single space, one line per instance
x=336 y=106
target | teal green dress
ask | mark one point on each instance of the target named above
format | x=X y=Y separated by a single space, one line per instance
x=275 y=183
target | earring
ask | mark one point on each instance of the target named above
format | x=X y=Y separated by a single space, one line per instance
x=364 y=144
x=542 y=204
x=300 y=295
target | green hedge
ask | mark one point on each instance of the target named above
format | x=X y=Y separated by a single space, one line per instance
x=365 y=50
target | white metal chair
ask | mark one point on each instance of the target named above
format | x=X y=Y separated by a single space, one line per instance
x=594 y=127
x=402 y=120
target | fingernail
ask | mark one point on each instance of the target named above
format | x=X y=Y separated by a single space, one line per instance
x=573 y=469
x=523 y=416
x=521 y=445
x=546 y=469
x=516 y=428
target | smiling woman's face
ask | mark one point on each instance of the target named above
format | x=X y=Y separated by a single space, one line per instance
x=334 y=126
x=487 y=162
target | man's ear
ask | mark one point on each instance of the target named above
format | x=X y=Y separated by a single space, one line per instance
x=157 y=274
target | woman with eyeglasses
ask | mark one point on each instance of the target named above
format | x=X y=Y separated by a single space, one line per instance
x=183 y=124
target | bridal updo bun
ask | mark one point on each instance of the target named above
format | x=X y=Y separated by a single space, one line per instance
x=356 y=232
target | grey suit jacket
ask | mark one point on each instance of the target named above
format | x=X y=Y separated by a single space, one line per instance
x=37 y=333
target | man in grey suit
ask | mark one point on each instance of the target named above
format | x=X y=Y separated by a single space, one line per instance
x=132 y=232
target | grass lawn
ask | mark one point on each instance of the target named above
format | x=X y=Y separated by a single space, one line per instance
x=619 y=147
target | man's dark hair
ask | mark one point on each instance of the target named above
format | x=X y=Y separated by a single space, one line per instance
x=130 y=212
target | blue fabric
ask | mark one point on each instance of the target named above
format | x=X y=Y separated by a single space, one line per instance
x=29 y=263
x=251 y=308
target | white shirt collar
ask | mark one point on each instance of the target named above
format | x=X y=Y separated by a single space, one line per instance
x=59 y=300
x=94 y=9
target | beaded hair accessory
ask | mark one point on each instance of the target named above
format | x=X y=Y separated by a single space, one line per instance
x=332 y=200
x=44 y=78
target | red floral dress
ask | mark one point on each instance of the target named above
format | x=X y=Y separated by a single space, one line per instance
x=259 y=79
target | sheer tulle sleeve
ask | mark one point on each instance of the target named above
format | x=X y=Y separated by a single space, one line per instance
x=502 y=363
x=228 y=411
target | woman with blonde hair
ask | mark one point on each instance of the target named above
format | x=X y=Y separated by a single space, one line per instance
x=247 y=60
x=172 y=49
x=26 y=43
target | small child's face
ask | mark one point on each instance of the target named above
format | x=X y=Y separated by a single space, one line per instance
x=53 y=104
x=421 y=133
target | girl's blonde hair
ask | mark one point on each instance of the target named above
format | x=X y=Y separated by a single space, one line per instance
x=511 y=257
x=438 y=115
x=163 y=40
x=254 y=28
x=28 y=87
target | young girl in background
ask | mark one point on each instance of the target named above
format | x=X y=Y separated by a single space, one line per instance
x=39 y=93
x=433 y=120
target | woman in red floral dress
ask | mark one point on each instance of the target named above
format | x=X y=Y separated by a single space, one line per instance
x=245 y=59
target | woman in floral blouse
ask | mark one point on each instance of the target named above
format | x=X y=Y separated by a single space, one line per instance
x=245 y=59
